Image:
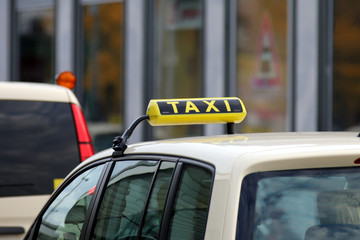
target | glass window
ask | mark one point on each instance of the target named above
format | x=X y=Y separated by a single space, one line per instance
x=178 y=57
x=262 y=63
x=65 y=216
x=123 y=204
x=346 y=73
x=191 y=205
x=303 y=204
x=158 y=196
x=34 y=38
x=38 y=144
x=103 y=71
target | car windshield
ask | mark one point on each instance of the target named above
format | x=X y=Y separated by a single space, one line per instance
x=298 y=205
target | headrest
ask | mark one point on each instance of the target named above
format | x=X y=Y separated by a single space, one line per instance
x=339 y=207
x=333 y=232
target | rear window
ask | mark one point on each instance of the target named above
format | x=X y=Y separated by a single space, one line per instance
x=319 y=204
x=38 y=144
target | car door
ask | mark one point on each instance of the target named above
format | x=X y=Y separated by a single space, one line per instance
x=133 y=198
x=63 y=217
x=155 y=199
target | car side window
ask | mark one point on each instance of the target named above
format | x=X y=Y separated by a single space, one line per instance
x=190 y=212
x=65 y=216
x=124 y=200
x=154 y=211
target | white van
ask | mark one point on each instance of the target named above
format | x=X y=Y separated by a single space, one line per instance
x=43 y=135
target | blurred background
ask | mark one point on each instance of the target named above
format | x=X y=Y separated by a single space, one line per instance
x=294 y=63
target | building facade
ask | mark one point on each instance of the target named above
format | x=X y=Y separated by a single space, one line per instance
x=292 y=62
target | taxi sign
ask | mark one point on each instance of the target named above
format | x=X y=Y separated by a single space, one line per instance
x=195 y=111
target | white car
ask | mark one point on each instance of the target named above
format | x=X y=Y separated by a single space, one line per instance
x=43 y=136
x=236 y=186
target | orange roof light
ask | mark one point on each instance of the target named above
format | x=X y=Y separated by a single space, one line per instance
x=66 y=79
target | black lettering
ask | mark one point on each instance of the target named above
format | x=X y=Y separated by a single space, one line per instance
x=170 y=107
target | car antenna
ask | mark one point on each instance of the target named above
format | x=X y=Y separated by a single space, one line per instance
x=119 y=142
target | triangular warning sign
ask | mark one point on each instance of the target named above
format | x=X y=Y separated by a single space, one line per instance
x=267 y=71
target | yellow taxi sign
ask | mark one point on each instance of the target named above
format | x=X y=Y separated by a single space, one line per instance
x=195 y=111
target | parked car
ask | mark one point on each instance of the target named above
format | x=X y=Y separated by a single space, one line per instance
x=43 y=136
x=237 y=186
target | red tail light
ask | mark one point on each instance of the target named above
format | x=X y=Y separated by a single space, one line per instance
x=84 y=139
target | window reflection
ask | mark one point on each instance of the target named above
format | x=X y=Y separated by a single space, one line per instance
x=34 y=42
x=154 y=211
x=307 y=204
x=124 y=200
x=65 y=216
x=261 y=63
x=346 y=85
x=178 y=30
x=103 y=71
x=191 y=205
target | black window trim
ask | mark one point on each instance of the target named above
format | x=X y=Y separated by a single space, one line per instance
x=170 y=201
x=89 y=225
x=151 y=188
x=173 y=188
x=95 y=203
x=96 y=200
x=172 y=193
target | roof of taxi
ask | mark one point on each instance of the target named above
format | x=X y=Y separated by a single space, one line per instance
x=36 y=92
x=253 y=147
x=240 y=144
